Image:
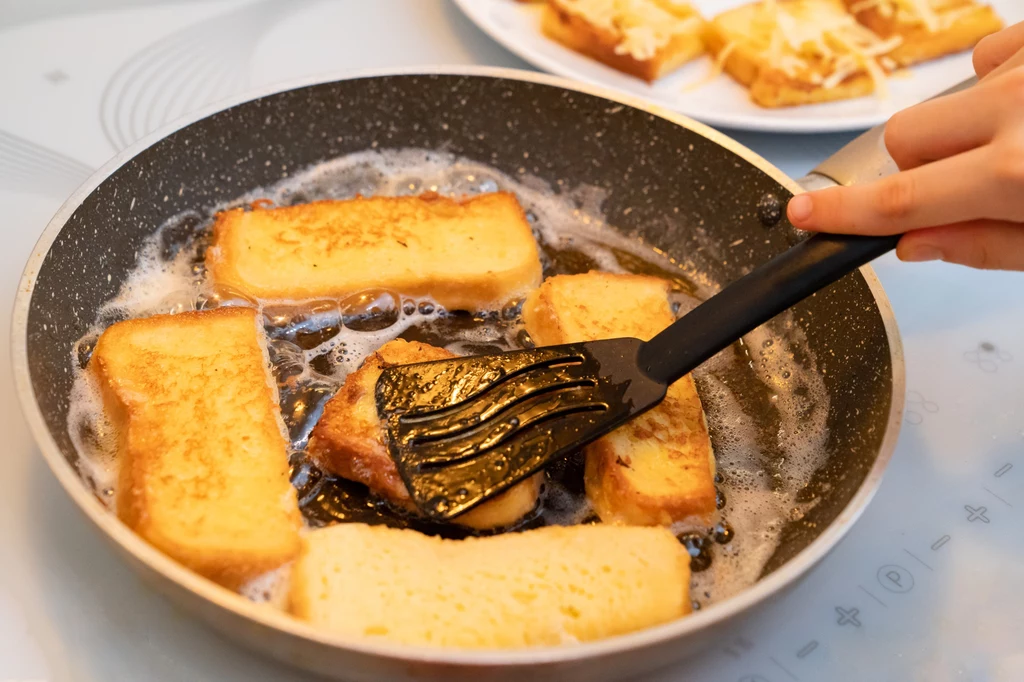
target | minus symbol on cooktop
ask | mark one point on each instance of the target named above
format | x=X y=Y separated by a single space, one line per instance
x=917 y=559
x=865 y=591
x=783 y=668
x=806 y=649
x=1003 y=470
x=985 y=488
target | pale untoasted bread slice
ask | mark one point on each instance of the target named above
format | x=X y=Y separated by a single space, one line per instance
x=203 y=461
x=644 y=38
x=350 y=441
x=928 y=28
x=794 y=52
x=658 y=468
x=541 y=587
x=473 y=254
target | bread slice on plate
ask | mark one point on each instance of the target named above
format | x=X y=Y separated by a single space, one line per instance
x=792 y=52
x=659 y=468
x=644 y=38
x=203 y=459
x=350 y=441
x=928 y=28
x=471 y=254
x=542 y=587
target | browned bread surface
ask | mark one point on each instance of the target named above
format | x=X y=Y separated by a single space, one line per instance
x=658 y=468
x=644 y=38
x=477 y=253
x=950 y=26
x=823 y=66
x=203 y=461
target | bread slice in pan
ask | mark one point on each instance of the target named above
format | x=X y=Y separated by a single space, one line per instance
x=203 y=461
x=644 y=38
x=928 y=28
x=659 y=468
x=474 y=254
x=792 y=52
x=541 y=587
x=350 y=441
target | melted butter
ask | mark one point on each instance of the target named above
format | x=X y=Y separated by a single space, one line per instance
x=764 y=400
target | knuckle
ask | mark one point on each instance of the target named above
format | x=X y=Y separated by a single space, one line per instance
x=896 y=139
x=895 y=197
x=980 y=255
x=982 y=58
x=1012 y=84
x=1009 y=169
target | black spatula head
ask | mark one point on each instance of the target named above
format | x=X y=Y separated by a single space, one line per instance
x=463 y=430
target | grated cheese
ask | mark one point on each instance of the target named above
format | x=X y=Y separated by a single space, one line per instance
x=934 y=15
x=812 y=35
x=642 y=27
x=716 y=67
x=816 y=41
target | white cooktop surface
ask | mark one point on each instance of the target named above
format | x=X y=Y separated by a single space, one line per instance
x=928 y=587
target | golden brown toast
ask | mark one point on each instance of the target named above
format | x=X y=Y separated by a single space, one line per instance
x=471 y=254
x=203 y=461
x=928 y=28
x=658 y=468
x=644 y=38
x=350 y=441
x=793 y=52
x=541 y=587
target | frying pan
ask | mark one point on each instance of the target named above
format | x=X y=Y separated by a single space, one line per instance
x=730 y=218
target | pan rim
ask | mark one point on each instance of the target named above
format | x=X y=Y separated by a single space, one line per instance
x=155 y=561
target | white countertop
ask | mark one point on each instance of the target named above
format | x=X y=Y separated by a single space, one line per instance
x=69 y=609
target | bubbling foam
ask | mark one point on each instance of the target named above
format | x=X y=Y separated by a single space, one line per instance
x=313 y=345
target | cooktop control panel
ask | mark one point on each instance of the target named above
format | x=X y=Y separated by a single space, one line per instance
x=927 y=586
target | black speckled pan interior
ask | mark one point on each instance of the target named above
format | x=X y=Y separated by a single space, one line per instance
x=689 y=196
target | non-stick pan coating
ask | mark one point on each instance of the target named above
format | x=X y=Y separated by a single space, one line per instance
x=684 y=193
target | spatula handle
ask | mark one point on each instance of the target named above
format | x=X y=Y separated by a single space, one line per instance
x=756 y=298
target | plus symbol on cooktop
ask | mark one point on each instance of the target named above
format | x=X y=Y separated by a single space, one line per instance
x=976 y=514
x=848 y=616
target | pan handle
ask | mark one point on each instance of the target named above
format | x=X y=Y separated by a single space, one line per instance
x=864 y=159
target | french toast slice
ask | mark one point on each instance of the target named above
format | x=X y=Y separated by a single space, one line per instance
x=472 y=254
x=928 y=28
x=644 y=38
x=203 y=460
x=541 y=587
x=658 y=468
x=351 y=441
x=794 y=52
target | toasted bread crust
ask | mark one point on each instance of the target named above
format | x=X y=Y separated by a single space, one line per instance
x=350 y=441
x=575 y=32
x=658 y=468
x=472 y=254
x=919 y=44
x=770 y=87
x=203 y=462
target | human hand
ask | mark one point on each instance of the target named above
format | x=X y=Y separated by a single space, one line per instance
x=959 y=194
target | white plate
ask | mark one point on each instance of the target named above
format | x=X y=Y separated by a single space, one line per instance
x=722 y=102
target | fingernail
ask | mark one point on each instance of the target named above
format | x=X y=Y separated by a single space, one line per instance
x=921 y=253
x=799 y=208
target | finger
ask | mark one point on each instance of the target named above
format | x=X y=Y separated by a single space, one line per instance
x=951 y=190
x=1014 y=62
x=946 y=126
x=986 y=244
x=993 y=50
